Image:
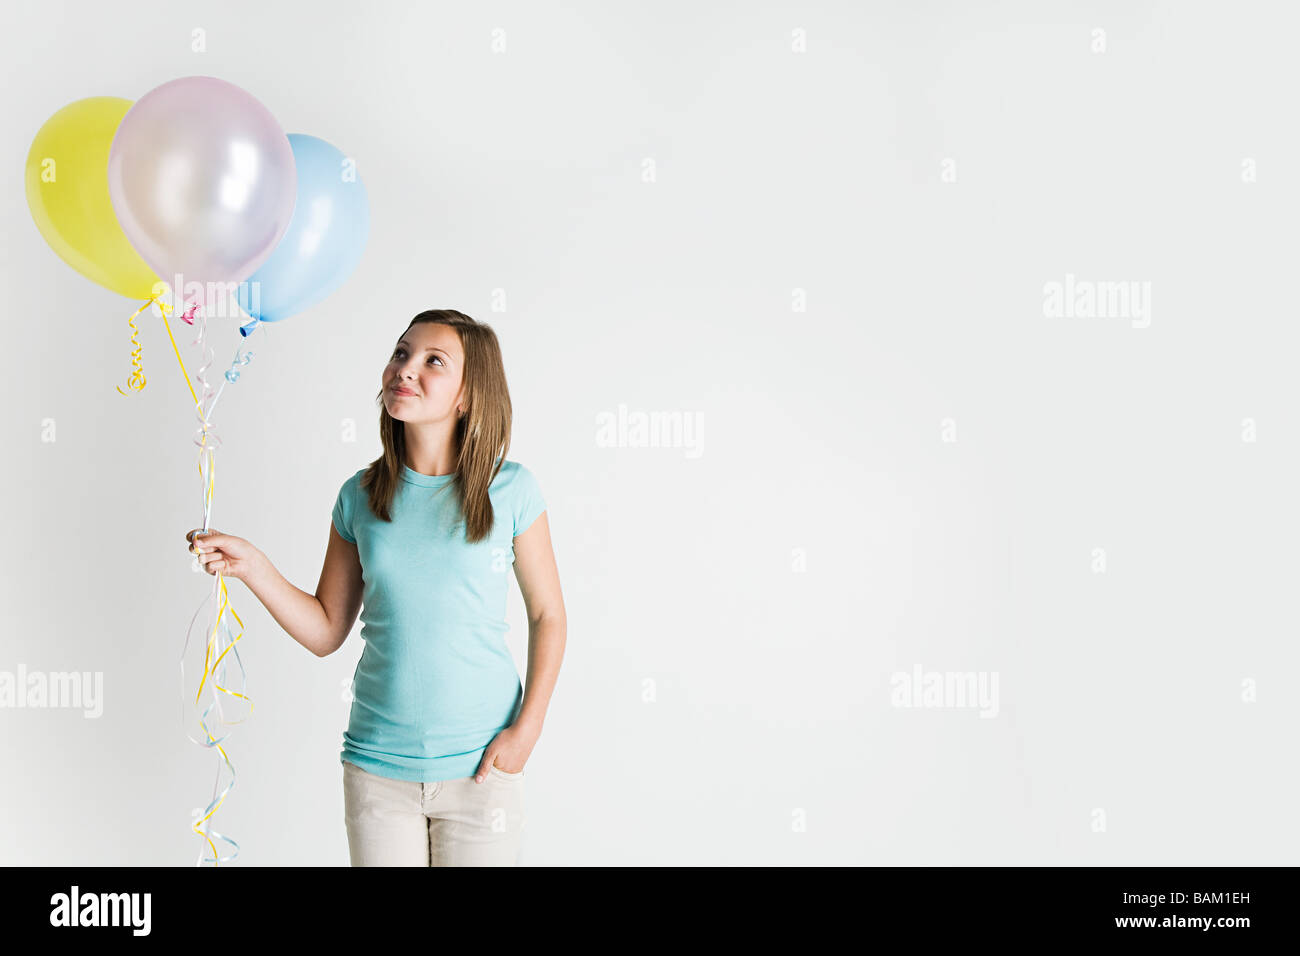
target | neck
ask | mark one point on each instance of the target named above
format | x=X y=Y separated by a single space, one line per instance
x=431 y=449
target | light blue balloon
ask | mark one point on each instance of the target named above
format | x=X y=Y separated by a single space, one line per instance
x=324 y=241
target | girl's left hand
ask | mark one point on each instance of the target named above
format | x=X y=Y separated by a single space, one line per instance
x=508 y=751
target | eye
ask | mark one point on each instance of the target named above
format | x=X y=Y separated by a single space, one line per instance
x=436 y=357
x=398 y=352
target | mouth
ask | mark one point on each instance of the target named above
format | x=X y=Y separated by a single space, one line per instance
x=402 y=391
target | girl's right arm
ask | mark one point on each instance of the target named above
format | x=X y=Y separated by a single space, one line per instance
x=319 y=622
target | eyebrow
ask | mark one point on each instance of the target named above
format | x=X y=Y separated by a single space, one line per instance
x=431 y=348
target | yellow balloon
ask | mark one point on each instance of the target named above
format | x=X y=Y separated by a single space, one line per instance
x=67 y=193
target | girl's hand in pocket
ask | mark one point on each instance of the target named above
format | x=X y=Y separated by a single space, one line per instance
x=508 y=751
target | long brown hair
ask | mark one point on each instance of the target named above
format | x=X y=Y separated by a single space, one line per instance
x=482 y=434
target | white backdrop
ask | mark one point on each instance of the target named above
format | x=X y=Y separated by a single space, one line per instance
x=824 y=236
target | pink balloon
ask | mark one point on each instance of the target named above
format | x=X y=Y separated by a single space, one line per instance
x=203 y=183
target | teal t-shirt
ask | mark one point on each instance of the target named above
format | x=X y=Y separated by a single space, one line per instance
x=436 y=681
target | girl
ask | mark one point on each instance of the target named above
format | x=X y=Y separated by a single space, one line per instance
x=420 y=542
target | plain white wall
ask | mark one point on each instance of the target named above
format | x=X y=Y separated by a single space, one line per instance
x=837 y=273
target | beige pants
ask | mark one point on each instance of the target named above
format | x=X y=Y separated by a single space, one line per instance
x=442 y=823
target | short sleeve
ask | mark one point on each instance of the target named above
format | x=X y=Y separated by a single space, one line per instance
x=343 y=513
x=528 y=500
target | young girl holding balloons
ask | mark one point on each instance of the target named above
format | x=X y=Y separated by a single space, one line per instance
x=420 y=542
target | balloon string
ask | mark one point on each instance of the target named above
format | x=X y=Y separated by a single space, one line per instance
x=216 y=649
x=218 y=799
x=214 y=661
x=216 y=666
x=166 y=310
x=212 y=665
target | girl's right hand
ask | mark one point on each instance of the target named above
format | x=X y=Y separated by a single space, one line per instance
x=233 y=557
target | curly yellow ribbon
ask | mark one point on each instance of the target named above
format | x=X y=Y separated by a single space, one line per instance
x=137 y=380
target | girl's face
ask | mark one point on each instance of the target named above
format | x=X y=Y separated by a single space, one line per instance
x=423 y=379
